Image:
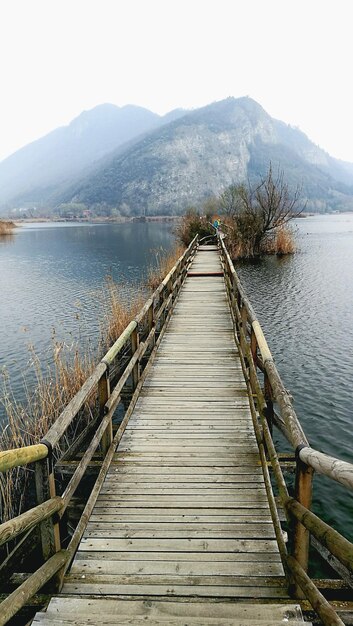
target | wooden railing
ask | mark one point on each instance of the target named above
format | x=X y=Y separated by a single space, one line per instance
x=271 y=405
x=135 y=348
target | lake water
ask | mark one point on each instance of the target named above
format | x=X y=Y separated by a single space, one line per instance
x=51 y=276
x=52 y=279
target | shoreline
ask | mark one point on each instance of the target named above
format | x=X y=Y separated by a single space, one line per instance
x=99 y=220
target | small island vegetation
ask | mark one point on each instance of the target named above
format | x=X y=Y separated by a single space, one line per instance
x=6 y=228
x=254 y=218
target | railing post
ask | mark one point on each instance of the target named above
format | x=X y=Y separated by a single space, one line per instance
x=301 y=536
x=135 y=340
x=243 y=327
x=49 y=529
x=253 y=346
x=170 y=292
x=150 y=321
x=268 y=395
x=103 y=396
x=160 y=304
x=233 y=292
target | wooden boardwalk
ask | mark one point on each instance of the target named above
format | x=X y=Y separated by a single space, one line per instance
x=181 y=532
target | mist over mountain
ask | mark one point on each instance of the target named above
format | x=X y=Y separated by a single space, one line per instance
x=35 y=171
x=134 y=162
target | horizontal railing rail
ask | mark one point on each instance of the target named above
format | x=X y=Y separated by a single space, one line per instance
x=138 y=341
x=264 y=397
x=22 y=456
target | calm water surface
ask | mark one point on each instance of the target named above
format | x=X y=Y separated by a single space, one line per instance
x=52 y=279
x=305 y=306
x=51 y=276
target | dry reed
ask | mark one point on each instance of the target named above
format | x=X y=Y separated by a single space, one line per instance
x=118 y=311
x=165 y=261
x=6 y=228
x=191 y=224
x=30 y=420
x=281 y=243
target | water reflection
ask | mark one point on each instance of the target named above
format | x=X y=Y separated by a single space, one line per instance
x=6 y=238
x=305 y=305
x=51 y=275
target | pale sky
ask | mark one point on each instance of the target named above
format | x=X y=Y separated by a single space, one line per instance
x=60 y=57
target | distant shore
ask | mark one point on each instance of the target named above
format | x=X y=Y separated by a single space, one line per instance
x=98 y=220
x=124 y=220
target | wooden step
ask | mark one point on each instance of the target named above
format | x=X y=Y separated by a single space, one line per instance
x=157 y=613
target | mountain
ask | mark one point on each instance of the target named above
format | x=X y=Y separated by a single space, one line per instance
x=135 y=162
x=200 y=153
x=34 y=172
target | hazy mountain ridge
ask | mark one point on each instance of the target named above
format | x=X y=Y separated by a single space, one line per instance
x=38 y=168
x=140 y=163
x=204 y=151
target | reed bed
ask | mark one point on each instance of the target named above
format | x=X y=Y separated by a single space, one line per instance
x=165 y=261
x=118 y=310
x=28 y=421
x=281 y=243
x=6 y=228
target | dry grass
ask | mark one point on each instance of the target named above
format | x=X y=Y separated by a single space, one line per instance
x=6 y=228
x=191 y=224
x=30 y=420
x=281 y=243
x=165 y=261
x=118 y=311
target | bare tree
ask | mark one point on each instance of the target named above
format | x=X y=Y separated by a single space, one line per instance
x=256 y=211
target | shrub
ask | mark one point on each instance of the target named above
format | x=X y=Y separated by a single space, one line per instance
x=6 y=227
x=191 y=224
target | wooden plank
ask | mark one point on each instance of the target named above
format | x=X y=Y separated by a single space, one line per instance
x=164 y=609
x=176 y=590
x=140 y=516
x=179 y=545
x=128 y=482
x=184 y=568
x=108 y=530
x=178 y=557
x=183 y=511
x=210 y=492
x=215 y=511
x=180 y=472
x=186 y=460
x=216 y=580
x=42 y=619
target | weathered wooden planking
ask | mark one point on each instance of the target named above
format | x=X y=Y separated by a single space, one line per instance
x=41 y=618
x=164 y=609
x=128 y=482
x=183 y=568
x=187 y=460
x=179 y=472
x=117 y=531
x=212 y=511
x=180 y=545
x=140 y=516
x=179 y=579
x=183 y=511
x=99 y=588
x=178 y=557
x=211 y=492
